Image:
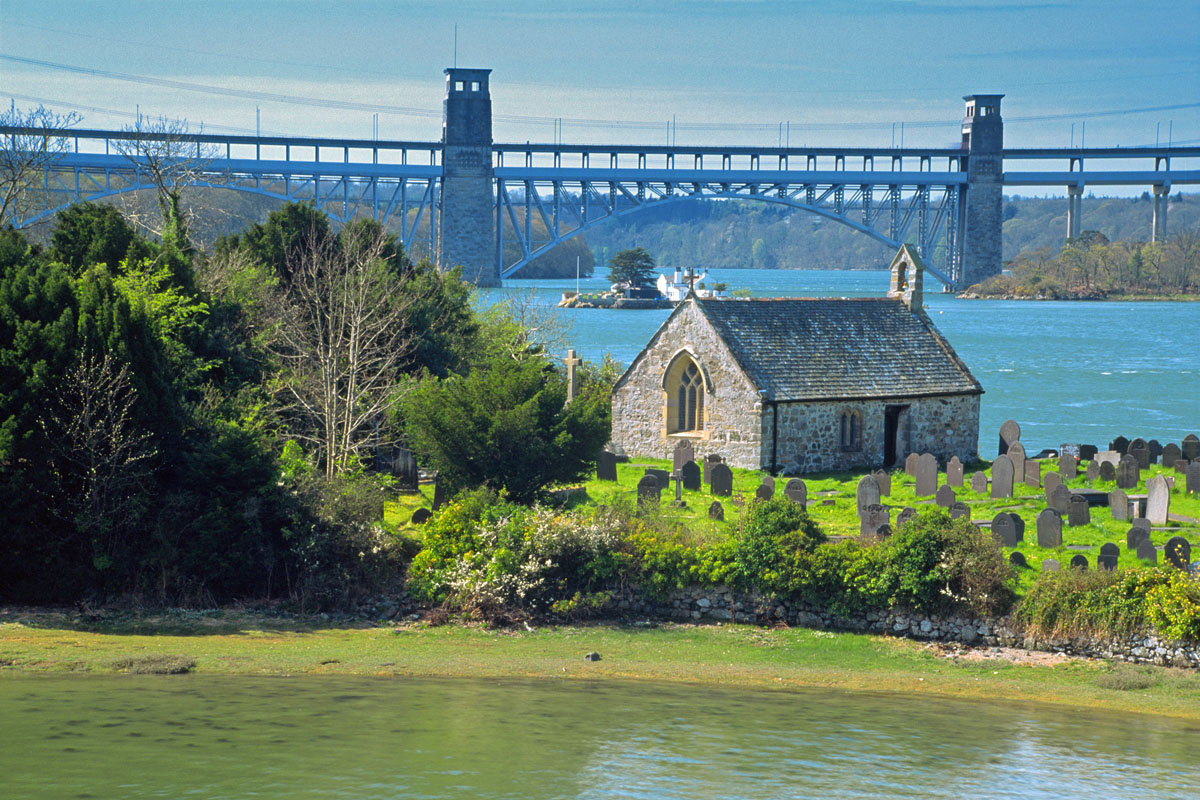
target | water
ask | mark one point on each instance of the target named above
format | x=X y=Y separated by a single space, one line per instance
x=1066 y=371
x=327 y=737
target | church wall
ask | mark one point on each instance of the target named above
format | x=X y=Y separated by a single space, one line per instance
x=734 y=424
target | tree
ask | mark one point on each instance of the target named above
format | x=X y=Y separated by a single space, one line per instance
x=30 y=143
x=86 y=234
x=634 y=267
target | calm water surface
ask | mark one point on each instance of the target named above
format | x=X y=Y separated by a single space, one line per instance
x=1067 y=371
x=203 y=737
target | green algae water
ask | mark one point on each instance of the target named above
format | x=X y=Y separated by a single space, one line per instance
x=208 y=737
x=1066 y=371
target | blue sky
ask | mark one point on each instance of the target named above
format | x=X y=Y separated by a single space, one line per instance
x=727 y=71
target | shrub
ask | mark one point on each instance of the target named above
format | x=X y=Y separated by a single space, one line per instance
x=1093 y=602
x=846 y=578
x=771 y=551
x=1173 y=605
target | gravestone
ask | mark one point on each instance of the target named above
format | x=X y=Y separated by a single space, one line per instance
x=979 y=483
x=1051 y=565
x=1078 y=513
x=1049 y=528
x=439 y=494
x=875 y=517
x=906 y=513
x=1146 y=551
x=1135 y=537
x=960 y=510
x=1181 y=466
x=1016 y=454
x=1033 y=474
x=910 y=464
x=1060 y=500
x=661 y=475
x=1178 y=552
x=1017 y=559
x=648 y=489
x=1120 y=444
x=927 y=475
x=769 y=481
x=1158 y=500
x=945 y=497
x=1010 y=432
x=1141 y=451
x=1156 y=450
x=1109 y=553
x=1170 y=454
x=421 y=516
x=721 y=479
x=954 y=472
x=1070 y=450
x=884 y=479
x=405 y=467
x=1118 y=504
x=1004 y=529
x=1093 y=471
x=1079 y=561
x=1068 y=467
x=1020 y=524
x=1141 y=523
x=764 y=491
x=1108 y=472
x=689 y=473
x=606 y=466
x=1087 y=452
x=710 y=461
x=1128 y=472
x=1193 y=477
x=1051 y=480
x=1002 y=477
x=1190 y=447
x=716 y=511
x=866 y=494
x=683 y=453
x=796 y=491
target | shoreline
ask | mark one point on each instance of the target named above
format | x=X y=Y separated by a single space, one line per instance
x=1115 y=298
x=234 y=642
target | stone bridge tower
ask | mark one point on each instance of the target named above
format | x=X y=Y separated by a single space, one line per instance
x=981 y=200
x=466 y=232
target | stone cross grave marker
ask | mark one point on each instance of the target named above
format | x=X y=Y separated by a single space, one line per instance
x=648 y=489
x=1136 y=536
x=764 y=491
x=606 y=466
x=945 y=497
x=1120 y=444
x=1002 y=477
x=910 y=464
x=1156 y=449
x=1093 y=470
x=906 y=513
x=661 y=475
x=1108 y=472
x=960 y=510
x=1068 y=468
x=1078 y=512
x=954 y=472
x=690 y=474
x=1010 y=432
x=1079 y=561
x=721 y=479
x=1109 y=553
x=572 y=361
x=1049 y=528
x=1141 y=451
x=1118 y=504
x=865 y=494
x=1128 y=472
x=678 y=503
x=1004 y=529
x=876 y=517
x=1170 y=454
x=716 y=511
x=1060 y=500
x=1146 y=551
x=1016 y=454
x=884 y=479
x=979 y=483
x=1051 y=480
x=1158 y=500
x=1017 y=559
x=1178 y=552
x=796 y=491
x=1193 y=477
x=1051 y=565
x=1190 y=447
x=420 y=516
x=1033 y=474
x=683 y=453
x=927 y=475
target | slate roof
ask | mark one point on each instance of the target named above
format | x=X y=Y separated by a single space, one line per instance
x=836 y=348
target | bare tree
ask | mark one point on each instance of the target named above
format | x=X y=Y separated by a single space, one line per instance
x=531 y=323
x=340 y=332
x=30 y=143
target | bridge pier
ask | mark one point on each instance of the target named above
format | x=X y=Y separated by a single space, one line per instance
x=465 y=232
x=1074 y=210
x=1158 y=229
x=981 y=200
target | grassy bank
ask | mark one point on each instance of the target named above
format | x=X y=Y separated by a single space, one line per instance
x=726 y=655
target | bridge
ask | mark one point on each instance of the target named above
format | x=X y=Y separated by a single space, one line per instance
x=493 y=207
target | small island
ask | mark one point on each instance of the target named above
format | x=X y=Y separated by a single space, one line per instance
x=631 y=271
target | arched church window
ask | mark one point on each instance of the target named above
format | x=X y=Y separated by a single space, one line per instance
x=851 y=430
x=690 y=400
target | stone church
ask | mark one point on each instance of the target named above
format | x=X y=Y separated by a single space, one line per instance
x=800 y=385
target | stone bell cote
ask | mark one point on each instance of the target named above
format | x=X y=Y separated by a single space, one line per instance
x=908 y=278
